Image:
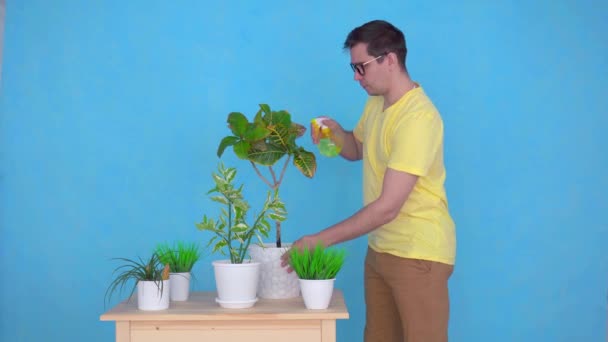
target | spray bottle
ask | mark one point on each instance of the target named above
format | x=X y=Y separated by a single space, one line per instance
x=327 y=146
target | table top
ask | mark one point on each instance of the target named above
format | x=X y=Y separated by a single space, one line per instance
x=202 y=306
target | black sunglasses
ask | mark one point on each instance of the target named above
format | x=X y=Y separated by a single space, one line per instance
x=360 y=67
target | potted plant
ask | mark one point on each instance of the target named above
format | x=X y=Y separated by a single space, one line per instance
x=180 y=257
x=268 y=138
x=237 y=278
x=151 y=279
x=316 y=270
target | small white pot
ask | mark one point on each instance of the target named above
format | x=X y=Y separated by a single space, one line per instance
x=275 y=281
x=236 y=284
x=317 y=293
x=180 y=286
x=153 y=295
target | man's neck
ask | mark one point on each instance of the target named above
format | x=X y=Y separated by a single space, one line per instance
x=401 y=85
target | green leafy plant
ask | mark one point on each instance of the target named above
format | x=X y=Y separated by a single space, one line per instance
x=134 y=271
x=264 y=141
x=180 y=257
x=318 y=263
x=232 y=232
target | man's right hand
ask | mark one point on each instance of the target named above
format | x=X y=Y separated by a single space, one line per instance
x=338 y=134
x=352 y=149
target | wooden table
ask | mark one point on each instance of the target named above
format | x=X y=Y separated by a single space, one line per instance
x=202 y=319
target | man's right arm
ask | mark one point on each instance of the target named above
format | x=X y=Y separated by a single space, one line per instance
x=352 y=149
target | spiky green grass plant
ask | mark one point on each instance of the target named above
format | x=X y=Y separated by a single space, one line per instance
x=319 y=263
x=151 y=269
x=181 y=257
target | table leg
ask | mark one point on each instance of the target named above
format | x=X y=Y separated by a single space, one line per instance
x=328 y=330
x=123 y=331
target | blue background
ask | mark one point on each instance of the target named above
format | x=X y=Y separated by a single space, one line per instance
x=112 y=112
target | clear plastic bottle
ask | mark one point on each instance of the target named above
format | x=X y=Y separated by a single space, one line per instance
x=327 y=146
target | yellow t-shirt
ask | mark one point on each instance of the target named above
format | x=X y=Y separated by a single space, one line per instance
x=408 y=137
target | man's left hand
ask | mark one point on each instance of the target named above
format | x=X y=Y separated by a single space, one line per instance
x=308 y=241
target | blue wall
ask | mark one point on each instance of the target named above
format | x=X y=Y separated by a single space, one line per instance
x=112 y=111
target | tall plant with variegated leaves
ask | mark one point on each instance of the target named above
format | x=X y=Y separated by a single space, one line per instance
x=231 y=231
x=264 y=141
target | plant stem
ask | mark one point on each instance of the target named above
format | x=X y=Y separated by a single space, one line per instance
x=260 y=175
x=274 y=177
x=278 y=227
x=251 y=231
x=278 y=223
x=229 y=230
x=274 y=187
x=283 y=172
x=246 y=246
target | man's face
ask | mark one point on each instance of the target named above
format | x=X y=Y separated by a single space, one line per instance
x=369 y=73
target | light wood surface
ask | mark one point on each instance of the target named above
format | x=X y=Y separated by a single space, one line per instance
x=202 y=318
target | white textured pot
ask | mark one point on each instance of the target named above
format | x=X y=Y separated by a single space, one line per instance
x=236 y=284
x=180 y=286
x=152 y=295
x=275 y=282
x=317 y=293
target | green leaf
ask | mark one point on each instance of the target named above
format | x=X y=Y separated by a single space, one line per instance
x=267 y=156
x=306 y=162
x=259 y=145
x=258 y=117
x=206 y=224
x=219 y=199
x=277 y=217
x=265 y=108
x=241 y=148
x=279 y=135
x=237 y=123
x=281 y=117
x=230 y=174
x=219 y=245
x=256 y=132
x=227 y=141
x=297 y=129
x=239 y=228
x=219 y=181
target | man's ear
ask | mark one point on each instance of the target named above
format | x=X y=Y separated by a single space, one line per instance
x=392 y=58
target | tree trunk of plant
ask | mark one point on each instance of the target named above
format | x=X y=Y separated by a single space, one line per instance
x=278 y=225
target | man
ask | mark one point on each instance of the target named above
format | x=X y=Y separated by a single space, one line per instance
x=411 y=235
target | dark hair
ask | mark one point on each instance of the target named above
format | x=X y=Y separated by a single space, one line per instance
x=381 y=36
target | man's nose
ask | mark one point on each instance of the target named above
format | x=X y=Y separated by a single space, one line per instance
x=358 y=76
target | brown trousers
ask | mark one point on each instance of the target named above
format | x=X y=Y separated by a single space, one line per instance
x=406 y=299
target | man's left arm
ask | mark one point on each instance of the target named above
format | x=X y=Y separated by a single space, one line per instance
x=396 y=188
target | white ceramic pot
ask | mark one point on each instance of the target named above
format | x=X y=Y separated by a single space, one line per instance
x=236 y=284
x=317 y=293
x=180 y=286
x=153 y=295
x=275 y=282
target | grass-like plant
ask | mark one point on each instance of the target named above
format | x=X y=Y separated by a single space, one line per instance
x=318 y=263
x=134 y=271
x=180 y=257
x=232 y=232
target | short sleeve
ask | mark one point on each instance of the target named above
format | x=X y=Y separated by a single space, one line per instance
x=415 y=143
x=359 y=131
